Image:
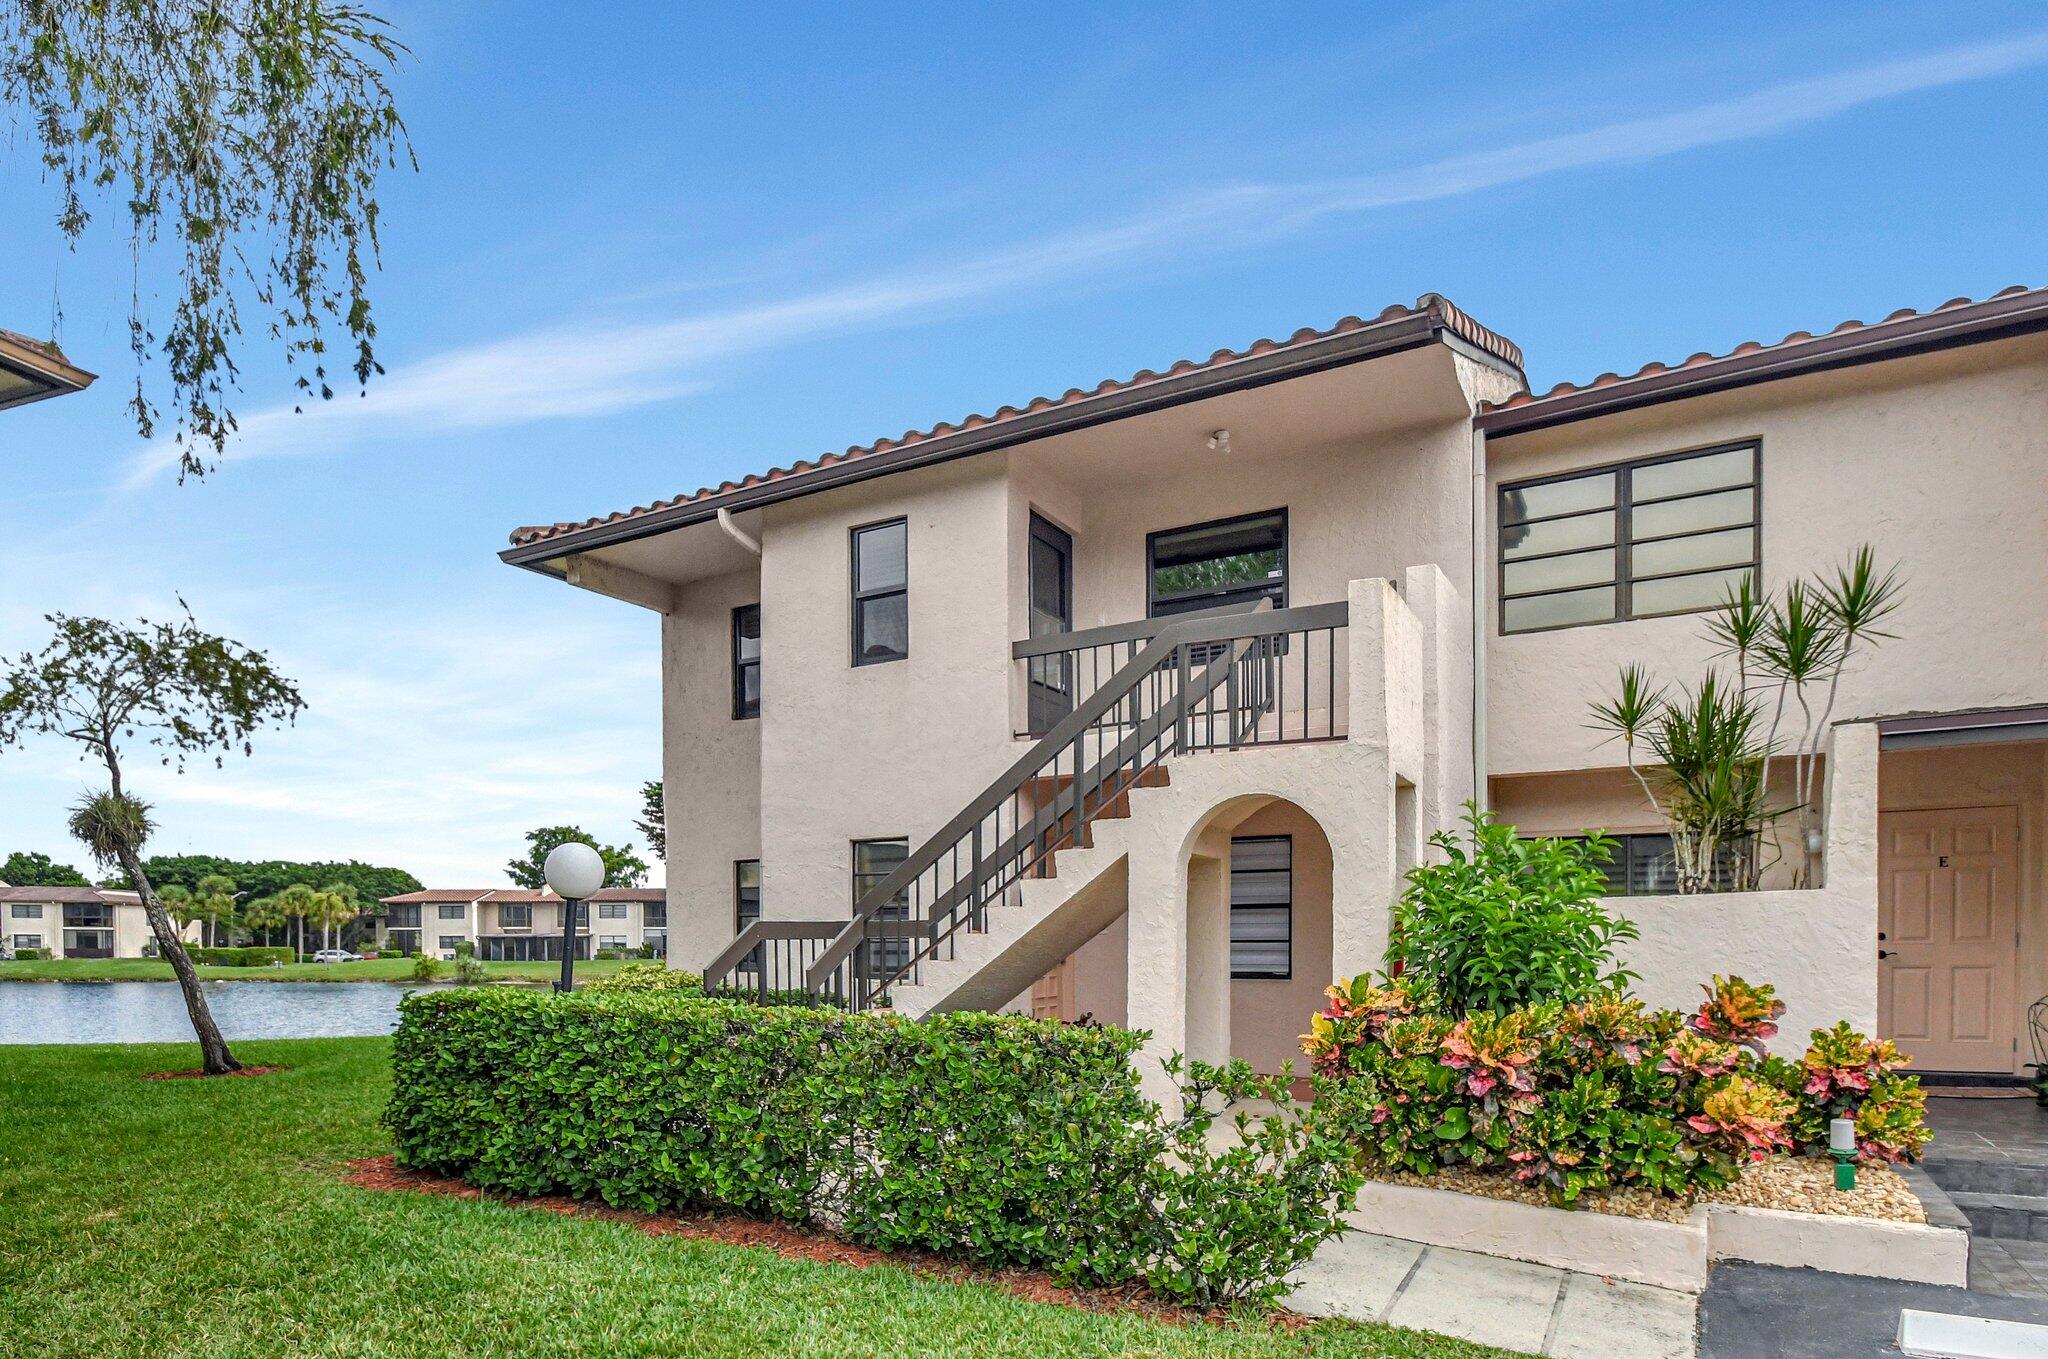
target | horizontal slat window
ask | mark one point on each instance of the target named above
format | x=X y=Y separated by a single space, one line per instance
x=1262 y=906
x=1664 y=535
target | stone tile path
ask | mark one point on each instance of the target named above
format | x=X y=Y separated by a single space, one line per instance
x=1493 y=1301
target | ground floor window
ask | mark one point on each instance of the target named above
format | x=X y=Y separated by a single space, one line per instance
x=28 y=941
x=402 y=941
x=89 y=943
x=611 y=941
x=1644 y=866
x=450 y=942
x=655 y=942
x=1262 y=906
x=526 y=949
x=873 y=861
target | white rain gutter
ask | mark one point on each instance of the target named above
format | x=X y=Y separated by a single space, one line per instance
x=736 y=533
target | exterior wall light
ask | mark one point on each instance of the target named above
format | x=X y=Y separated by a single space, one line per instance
x=574 y=871
x=1219 y=441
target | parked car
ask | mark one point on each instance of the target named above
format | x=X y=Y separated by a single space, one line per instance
x=336 y=955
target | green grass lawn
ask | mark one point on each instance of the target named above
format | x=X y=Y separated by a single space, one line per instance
x=188 y=1218
x=373 y=969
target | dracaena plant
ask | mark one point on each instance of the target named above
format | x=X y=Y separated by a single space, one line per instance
x=1702 y=754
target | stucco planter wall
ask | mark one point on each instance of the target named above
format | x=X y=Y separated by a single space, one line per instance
x=1663 y=1254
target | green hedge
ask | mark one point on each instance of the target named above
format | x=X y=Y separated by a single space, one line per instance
x=238 y=957
x=1000 y=1137
x=29 y=955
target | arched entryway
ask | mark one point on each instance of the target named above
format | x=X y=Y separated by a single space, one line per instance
x=1255 y=906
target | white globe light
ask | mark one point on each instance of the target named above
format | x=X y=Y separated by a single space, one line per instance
x=573 y=871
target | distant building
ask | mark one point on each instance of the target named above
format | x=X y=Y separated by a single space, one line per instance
x=516 y=924
x=78 y=922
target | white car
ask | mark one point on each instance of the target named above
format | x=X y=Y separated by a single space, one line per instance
x=336 y=955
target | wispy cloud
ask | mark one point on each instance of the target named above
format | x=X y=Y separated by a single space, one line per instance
x=601 y=369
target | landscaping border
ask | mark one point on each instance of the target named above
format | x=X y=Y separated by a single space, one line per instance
x=1663 y=1254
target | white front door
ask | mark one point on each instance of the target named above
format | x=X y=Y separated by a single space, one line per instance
x=1948 y=921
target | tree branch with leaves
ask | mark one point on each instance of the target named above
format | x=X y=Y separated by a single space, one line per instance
x=252 y=132
x=173 y=688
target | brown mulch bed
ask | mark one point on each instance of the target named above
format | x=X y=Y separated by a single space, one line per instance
x=195 y=1074
x=798 y=1243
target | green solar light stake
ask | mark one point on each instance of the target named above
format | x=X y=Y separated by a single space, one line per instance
x=1842 y=1146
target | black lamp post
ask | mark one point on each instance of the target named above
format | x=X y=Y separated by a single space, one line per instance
x=574 y=871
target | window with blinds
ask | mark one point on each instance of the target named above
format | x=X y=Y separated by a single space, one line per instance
x=1262 y=906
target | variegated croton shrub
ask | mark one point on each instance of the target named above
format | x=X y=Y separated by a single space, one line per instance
x=1599 y=1094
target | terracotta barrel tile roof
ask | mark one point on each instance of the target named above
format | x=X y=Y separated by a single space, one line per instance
x=1777 y=358
x=1431 y=305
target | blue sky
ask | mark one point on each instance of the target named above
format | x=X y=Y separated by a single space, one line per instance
x=645 y=255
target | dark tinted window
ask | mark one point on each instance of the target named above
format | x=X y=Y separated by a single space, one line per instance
x=746 y=661
x=881 y=593
x=1210 y=566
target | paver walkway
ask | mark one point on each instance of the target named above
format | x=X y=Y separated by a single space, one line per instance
x=1494 y=1301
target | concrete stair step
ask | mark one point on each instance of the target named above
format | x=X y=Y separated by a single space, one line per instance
x=2005 y=1217
x=1987 y=1175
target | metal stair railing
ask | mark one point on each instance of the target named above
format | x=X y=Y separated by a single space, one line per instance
x=1075 y=773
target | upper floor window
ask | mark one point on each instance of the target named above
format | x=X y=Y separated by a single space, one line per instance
x=515 y=915
x=454 y=910
x=1262 y=906
x=1209 y=566
x=1661 y=535
x=611 y=910
x=404 y=918
x=746 y=661
x=27 y=910
x=881 y=592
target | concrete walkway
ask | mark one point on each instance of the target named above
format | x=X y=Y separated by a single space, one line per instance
x=1494 y=1301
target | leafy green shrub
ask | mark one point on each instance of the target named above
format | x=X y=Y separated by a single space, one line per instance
x=1006 y=1140
x=425 y=967
x=266 y=957
x=30 y=955
x=1599 y=1094
x=1221 y=1221
x=649 y=978
x=1508 y=923
x=468 y=971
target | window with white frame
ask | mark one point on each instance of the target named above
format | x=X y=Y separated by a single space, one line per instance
x=1663 y=535
x=611 y=910
x=454 y=910
x=27 y=910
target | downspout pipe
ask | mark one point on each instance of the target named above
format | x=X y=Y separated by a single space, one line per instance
x=736 y=533
x=1482 y=556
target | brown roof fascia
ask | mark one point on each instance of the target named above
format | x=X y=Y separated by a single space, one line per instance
x=43 y=362
x=1433 y=320
x=2017 y=311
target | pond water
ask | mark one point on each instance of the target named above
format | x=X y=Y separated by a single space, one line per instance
x=154 y=1011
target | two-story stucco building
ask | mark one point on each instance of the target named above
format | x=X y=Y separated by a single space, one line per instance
x=1138 y=701
x=517 y=924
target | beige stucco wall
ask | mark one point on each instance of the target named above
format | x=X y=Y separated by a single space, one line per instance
x=711 y=762
x=1817 y=946
x=1940 y=462
x=871 y=752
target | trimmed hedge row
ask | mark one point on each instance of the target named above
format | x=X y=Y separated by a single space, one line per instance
x=971 y=1133
x=238 y=957
x=1006 y=1140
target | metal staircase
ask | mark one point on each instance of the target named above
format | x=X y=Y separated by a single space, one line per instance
x=1200 y=682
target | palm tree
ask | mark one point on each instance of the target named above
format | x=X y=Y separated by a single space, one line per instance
x=213 y=900
x=263 y=914
x=298 y=902
x=337 y=906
